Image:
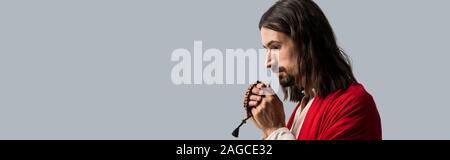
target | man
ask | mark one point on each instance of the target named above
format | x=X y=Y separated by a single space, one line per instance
x=314 y=72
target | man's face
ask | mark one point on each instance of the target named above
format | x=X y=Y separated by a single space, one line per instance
x=277 y=42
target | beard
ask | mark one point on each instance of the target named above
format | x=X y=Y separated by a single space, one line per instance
x=291 y=88
x=286 y=80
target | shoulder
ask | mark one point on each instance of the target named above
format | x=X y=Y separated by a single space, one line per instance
x=355 y=98
x=351 y=113
x=356 y=92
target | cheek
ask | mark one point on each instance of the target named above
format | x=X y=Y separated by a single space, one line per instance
x=285 y=59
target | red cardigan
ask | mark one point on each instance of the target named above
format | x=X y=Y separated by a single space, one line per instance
x=351 y=115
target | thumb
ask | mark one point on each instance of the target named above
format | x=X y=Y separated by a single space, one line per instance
x=267 y=91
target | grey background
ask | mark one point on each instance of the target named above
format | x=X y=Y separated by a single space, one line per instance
x=100 y=69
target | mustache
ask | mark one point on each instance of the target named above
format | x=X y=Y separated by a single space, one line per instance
x=279 y=69
x=282 y=69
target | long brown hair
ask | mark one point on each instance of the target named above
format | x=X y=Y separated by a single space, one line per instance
x=322 y=65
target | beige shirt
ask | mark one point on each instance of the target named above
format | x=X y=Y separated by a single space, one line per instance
x=286 y=134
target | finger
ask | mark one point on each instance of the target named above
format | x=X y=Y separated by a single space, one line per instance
x=253 y=103
x=260 y=85
x=255 y=91
x=255 y=98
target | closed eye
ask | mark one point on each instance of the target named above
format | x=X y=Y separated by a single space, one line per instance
x=275 y=47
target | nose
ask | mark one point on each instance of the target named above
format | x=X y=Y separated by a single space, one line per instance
x=269 y=59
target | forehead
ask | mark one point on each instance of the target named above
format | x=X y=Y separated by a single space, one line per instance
x=268 y=35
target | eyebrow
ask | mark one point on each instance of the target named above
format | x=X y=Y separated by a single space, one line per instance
x=270 y=43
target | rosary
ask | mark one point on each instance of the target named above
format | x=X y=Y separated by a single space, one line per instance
x=246 y=107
